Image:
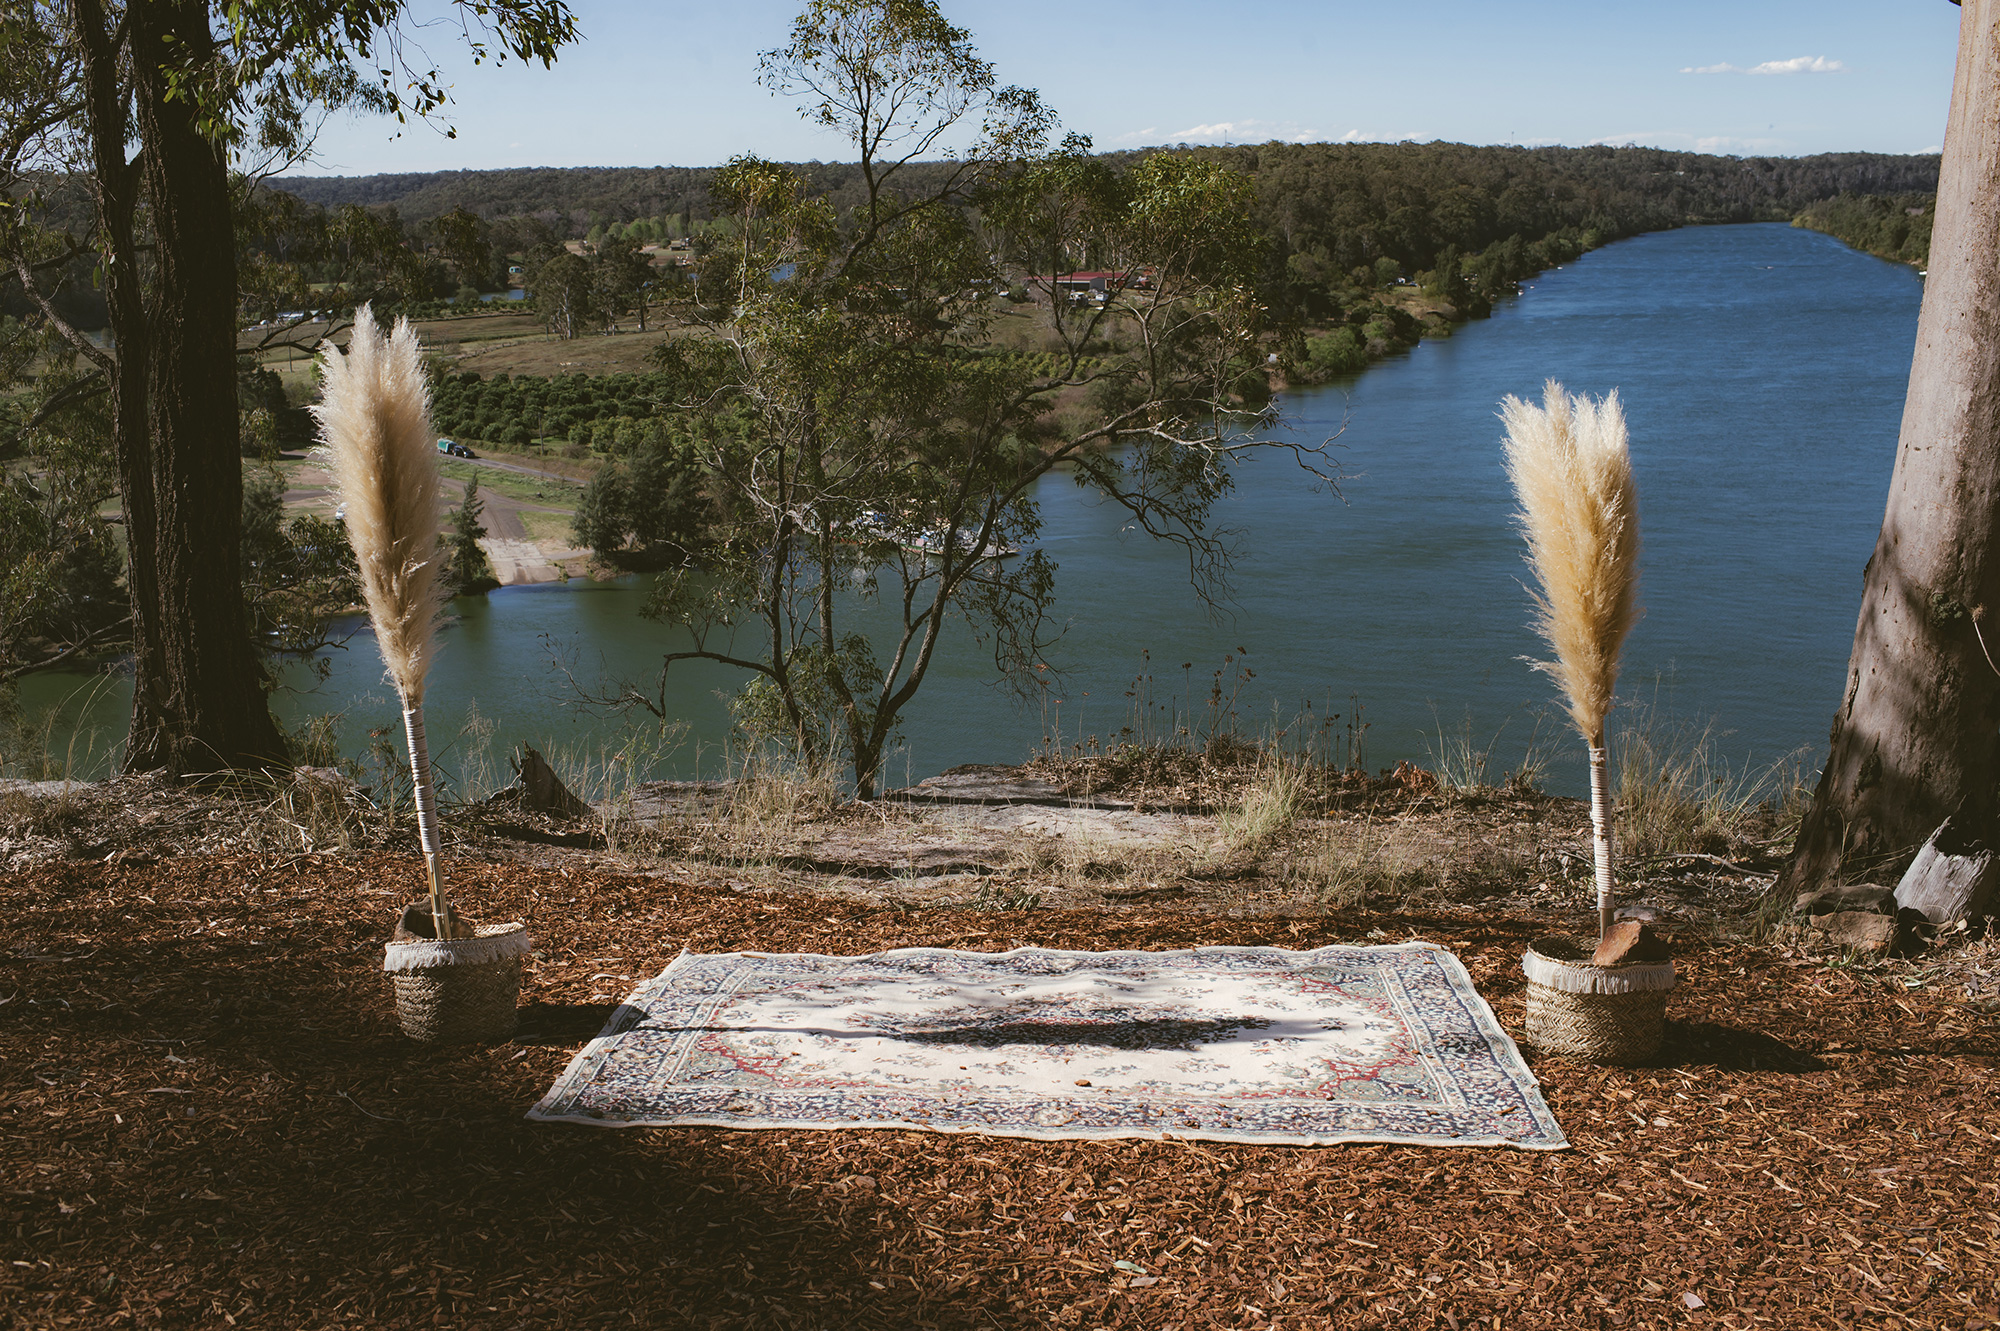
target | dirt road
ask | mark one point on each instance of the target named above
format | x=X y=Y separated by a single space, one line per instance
x=518 y=556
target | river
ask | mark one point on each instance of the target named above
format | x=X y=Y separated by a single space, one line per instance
x=1762 y=370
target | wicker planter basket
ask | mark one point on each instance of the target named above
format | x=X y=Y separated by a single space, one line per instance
x=1605 y=1014
x=459 y=990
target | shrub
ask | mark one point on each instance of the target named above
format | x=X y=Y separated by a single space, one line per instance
x=1342 y=351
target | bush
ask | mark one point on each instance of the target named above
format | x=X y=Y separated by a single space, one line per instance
x=1343 y=351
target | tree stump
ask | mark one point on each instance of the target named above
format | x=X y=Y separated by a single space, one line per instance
x=1951 y=879
x=542 y=790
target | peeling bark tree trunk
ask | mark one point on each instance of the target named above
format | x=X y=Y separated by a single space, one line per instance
x=1917 y=737
x=198 y=701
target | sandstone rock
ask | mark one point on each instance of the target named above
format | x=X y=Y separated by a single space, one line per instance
x=1860 y=930
x=1870 y=898
x=1629 y=942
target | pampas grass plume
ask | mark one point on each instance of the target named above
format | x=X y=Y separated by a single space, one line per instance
x=374 y=415
x=1571 y=466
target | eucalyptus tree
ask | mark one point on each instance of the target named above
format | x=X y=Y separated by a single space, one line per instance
x=867 y=432
x=621 y=279
x=149 y=102
x=1916 y=739
x=563 y=294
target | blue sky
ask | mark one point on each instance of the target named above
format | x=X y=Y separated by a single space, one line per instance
x=653 y=85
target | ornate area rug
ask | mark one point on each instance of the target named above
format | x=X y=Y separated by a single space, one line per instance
x=1252 y=1044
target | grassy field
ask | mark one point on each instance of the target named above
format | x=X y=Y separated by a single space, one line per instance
x=546 y=526
x=511 y=343
x=544 y=356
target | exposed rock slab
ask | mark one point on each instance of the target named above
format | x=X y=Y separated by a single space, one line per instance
x=981 y=784
x=1856 y=930
x=962 y=838
x=968 y=820
x=1869 y=897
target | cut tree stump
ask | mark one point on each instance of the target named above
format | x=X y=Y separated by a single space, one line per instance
x=1950 y=880
x=542 y=790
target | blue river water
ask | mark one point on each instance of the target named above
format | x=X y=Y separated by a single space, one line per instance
x=1762 y=370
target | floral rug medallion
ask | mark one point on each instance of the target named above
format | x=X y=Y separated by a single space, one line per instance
x=1252 y=1044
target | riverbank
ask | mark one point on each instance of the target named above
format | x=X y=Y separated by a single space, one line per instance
x=1896 y=227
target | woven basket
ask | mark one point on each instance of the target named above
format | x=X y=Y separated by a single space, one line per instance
x=459 y=990
x=1604 y=1014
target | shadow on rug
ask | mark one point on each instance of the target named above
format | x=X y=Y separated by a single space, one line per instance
x=562 y=1023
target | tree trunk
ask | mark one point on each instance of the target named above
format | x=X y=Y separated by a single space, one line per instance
x=198 y=702
x=1917 y=737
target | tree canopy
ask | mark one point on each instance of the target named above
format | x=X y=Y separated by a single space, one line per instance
x=861 y=433
x=148 y=105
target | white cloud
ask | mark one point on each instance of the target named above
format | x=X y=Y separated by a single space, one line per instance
x=1732 y=146
x=1244 y=131
x=1370 y=136
x=1265 y=131
x=1701 y=143
x=1801 y=64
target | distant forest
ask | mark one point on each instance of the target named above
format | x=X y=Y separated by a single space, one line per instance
x=1350 y=226
x=1640 y=189
x=1351 y=203
x=1345 y=221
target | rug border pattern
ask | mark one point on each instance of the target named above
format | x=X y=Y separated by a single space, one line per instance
x=892 y=1110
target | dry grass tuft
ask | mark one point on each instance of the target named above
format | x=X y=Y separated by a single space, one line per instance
x=1678 y=796
x=1268 y=806
x=1341 y=868
x=759 y=814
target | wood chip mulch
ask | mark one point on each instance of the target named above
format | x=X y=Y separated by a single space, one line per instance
x=208 y=1118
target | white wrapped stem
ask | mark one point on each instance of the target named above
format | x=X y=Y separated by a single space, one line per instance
x=420 y=777
x=427 y=823
x=1600 y=830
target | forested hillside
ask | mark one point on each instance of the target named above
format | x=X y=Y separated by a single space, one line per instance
x=1639 y=188
x=1892 y=226
x=1338 y=206
x=1354 y=232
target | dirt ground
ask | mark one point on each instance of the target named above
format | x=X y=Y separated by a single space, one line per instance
x=209 y=1118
